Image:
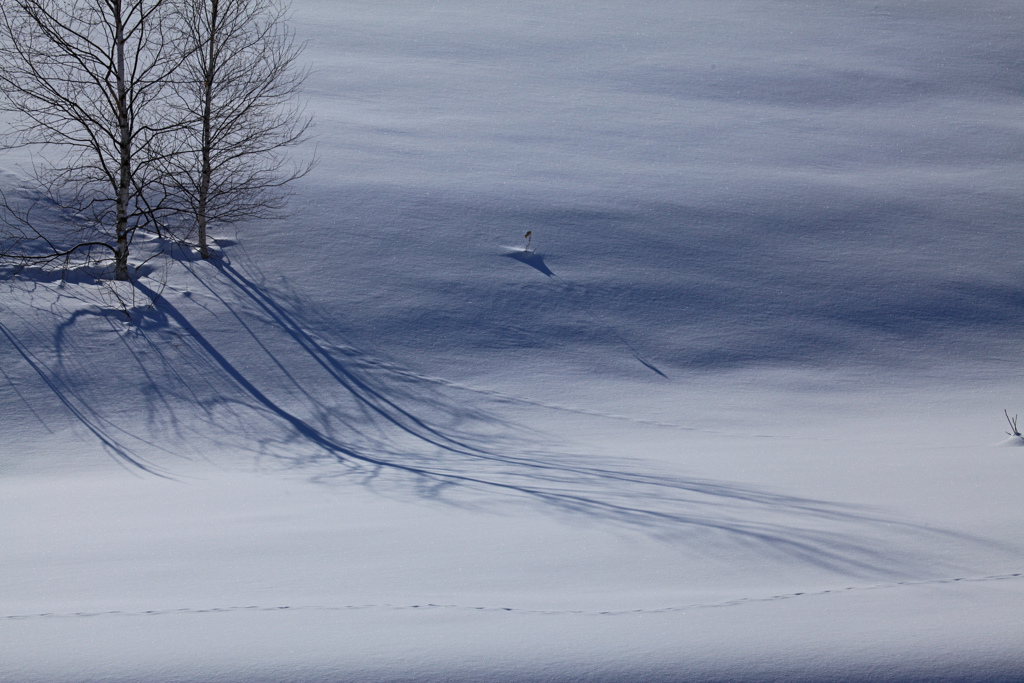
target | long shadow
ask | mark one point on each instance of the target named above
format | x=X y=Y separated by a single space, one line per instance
x=490 y=454
x=372 y=398
x=112 y=437
x=402 y=432
x=536 y=261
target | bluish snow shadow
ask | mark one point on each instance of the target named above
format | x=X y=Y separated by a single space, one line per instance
x=532 y=259
x=115 y=440
x=536 y=261
x=395 y=432
x=313 y=404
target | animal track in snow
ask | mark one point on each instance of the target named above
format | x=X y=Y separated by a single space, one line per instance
x=516 y=610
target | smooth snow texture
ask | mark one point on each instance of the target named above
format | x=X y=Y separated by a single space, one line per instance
x=734 y=416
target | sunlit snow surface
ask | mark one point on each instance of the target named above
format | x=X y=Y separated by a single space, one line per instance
x=736 y=415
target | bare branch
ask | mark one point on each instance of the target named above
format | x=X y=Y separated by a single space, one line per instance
x=1013 y=423
x=86 y=81
x=241 y=88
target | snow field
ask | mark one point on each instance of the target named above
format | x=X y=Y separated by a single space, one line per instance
x=738 y=417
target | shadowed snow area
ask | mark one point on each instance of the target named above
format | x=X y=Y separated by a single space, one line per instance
x=732 y=413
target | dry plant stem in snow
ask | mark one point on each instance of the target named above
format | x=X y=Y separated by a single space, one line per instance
x=1013 y=423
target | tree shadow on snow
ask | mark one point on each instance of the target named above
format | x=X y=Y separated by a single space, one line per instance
x=398 y=429
x=299 y=399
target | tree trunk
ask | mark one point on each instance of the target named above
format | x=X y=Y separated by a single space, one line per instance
x=207 y=170
x=124 y=145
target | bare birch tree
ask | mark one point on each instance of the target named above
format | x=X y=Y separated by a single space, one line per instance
x=240 y=95
x=86 y=80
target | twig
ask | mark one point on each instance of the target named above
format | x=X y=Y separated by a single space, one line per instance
x=1013 y=423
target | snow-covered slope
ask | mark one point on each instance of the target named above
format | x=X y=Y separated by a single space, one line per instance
x=736 y=418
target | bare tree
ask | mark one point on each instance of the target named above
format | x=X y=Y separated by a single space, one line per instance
x=86 y=80
x=240 y=96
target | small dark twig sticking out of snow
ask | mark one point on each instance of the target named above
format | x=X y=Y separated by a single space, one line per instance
x=1013 y=423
